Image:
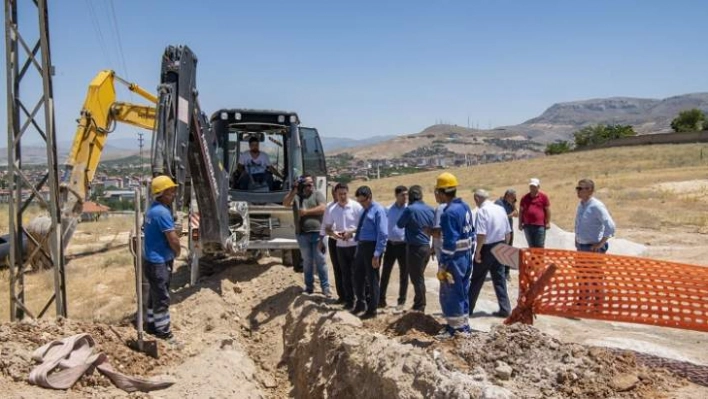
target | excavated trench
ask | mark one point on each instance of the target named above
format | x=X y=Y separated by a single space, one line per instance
x=331 y=353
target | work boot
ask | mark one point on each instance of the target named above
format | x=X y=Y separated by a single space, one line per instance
x=358 y=309
x=445 y=333
x=368 y=315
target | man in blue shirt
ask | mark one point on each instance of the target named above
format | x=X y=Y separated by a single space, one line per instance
x=371 y=236
x=395 y=248
x=593 y=223
x=455 y=263
x=416 y=219
x=161 y=246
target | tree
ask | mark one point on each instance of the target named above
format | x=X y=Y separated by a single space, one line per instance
x=691 y=120
x=559 y=147
x=599 y=134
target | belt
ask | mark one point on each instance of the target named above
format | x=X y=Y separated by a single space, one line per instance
x=397 y=242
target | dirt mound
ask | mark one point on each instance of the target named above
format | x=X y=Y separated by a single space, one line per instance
x=332 y=354
x=414 y=322
x=541 y=366
x=19 y=340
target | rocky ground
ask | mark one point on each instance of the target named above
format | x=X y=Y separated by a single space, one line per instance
x=247 y=331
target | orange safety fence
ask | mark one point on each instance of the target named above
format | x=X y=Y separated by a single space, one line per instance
x=611 y=287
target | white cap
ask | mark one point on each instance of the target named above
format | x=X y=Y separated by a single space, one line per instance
x=534 y=182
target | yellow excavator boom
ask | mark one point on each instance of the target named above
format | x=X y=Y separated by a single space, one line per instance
x=98 y=118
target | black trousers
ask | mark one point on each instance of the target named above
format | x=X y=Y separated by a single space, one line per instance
x=491 y=265
x=345 y=258
x=365 y=275
x=417 y=257
x=395 y=252
x=333 y=257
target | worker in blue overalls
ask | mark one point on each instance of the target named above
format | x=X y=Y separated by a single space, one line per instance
x=455 y=259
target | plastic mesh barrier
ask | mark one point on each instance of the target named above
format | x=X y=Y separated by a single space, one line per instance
x=611 y=287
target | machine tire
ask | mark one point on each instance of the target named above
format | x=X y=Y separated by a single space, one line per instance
x=297 y=260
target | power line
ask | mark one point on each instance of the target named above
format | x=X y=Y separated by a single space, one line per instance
x=120 y=42
x=99 y=33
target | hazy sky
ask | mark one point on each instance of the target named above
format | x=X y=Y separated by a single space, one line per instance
x=364 y=68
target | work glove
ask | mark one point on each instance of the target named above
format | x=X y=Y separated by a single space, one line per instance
x=445 y=276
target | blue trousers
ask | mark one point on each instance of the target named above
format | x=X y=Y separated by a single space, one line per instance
x=535 y=236
x=312 y=258
x=454 y=298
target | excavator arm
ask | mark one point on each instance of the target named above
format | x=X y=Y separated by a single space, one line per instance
x=99 y=115
x=185 y=148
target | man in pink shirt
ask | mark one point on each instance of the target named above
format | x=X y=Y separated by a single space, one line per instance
x=535 y=215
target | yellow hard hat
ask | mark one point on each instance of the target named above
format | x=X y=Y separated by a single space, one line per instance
x=446 y=180
x=160 y=184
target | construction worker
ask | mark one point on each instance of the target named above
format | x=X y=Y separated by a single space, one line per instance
x=416 y=219
x=160 y=249
x=454 y=261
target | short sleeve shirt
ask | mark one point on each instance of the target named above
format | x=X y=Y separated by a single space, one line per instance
x=254 y=166
x=158 y=221
x=311 y=224
x=535 y=209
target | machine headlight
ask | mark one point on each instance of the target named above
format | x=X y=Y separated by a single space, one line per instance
x=224 y=116
x=237 y=116
x=281 y=118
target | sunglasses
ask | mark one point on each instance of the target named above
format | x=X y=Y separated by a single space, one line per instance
x=581 y=188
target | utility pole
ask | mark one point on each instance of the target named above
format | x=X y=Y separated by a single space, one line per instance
x=140 y=144
x=27 y=52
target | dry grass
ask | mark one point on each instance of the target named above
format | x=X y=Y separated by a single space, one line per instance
x=625 y=180
x=100 y=287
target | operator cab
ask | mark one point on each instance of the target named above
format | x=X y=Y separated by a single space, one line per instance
x=265 y=151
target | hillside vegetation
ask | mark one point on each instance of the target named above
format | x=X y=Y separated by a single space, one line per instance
x=648 y=187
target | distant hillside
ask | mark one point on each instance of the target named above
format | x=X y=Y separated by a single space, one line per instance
x=37 y=155
x=645 y=115
x=444 y=141
x=338 y=143
x=559 y=121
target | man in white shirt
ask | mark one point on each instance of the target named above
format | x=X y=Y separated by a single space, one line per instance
x=340 y=222
x=331 y=246
x=492 y=227
x=254 y=167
